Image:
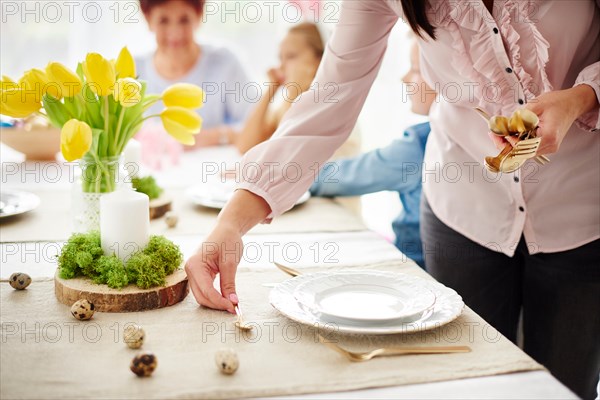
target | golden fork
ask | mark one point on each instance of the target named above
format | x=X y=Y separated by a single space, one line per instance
x=512 y=158
x=523 y=151
x=287 y=270
x=294 y=272
x=392 y=351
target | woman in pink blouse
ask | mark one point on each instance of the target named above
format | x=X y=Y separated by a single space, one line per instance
x=526 y=240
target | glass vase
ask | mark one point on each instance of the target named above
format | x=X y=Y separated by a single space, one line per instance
x=96 y=177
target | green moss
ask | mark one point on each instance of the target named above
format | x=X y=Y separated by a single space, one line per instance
x=148 y=186
x=146 y=273
x=164 y=253
x=82 y=255
x=79 y=255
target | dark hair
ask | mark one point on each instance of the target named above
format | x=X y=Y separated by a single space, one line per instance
x=148 y=5
x=416 y=16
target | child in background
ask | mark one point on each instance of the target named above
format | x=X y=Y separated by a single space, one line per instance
x=300 y=54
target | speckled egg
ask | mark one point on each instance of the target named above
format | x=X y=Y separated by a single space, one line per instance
x=82 y=310
x=19 y=280
x=133 y=336
x=227 y=361
x=143 y=364
x=171 y=219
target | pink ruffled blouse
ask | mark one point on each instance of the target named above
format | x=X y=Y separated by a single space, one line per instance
x=499 y=62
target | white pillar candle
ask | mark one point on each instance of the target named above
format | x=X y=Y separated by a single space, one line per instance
x=132 y=158
x=124 y=222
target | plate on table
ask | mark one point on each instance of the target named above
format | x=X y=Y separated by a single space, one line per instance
x=448 y=306
x=215 y=194
x=369 y=297
x=14 y=202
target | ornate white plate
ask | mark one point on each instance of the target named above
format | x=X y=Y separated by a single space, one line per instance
x=447 y=308
x=367 y=297
x=14 y=202
x=215 y=195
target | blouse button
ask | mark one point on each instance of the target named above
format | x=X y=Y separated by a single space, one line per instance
x=509 y=70
x=521 y=101
x=496 y=31
x=521 y=209
x=516 y=179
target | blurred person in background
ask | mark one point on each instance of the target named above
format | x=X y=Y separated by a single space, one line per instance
x=396 y=167
x=300 y=54
x=179 y=58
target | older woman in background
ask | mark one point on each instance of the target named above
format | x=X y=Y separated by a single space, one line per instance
x=179 y=58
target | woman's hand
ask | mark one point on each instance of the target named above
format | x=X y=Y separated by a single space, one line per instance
x=222 y=250
x=219 y=254
x=557 y=111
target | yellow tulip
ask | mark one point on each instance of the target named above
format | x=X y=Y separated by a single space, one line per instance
x=183 y=95
x=36 y=79
x=18 y=103
x=67 y=80
x=100 y=74
x=75 y=139
x=181 y=123
x=7 y=83
x=128 y=92
x=125 y=65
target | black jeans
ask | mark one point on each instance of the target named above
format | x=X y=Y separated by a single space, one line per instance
x=559 y=294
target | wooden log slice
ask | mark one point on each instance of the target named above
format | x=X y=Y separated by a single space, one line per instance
x=160 y=206
x=128 y=299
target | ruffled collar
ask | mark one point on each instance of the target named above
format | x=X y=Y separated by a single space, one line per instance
x=477 y=60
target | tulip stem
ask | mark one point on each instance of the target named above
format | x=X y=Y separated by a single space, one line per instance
x=150 y=116
x=106 y=112
x=116 y=144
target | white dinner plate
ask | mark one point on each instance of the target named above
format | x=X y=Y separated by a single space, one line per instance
x=368 y=297
x=215 y=194
x=448 y=306
x=15 y=202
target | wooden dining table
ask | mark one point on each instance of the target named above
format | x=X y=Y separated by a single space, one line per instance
x=353 y=246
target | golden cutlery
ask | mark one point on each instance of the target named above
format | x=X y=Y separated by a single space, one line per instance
x=294 y=272
x=523 y=125
x=521 y=152
x=287 y=270
x=392 y=351
x=493 y=163
x=497 y=124
x=240 y=321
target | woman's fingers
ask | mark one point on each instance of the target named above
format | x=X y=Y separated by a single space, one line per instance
x=201 y=279
x=498 y=141
x=228 y=270
x=501 y=141
x=512 y=140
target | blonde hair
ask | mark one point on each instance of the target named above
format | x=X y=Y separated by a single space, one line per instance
x=312 y=35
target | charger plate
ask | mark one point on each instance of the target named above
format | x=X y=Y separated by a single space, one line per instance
x=448 y=306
